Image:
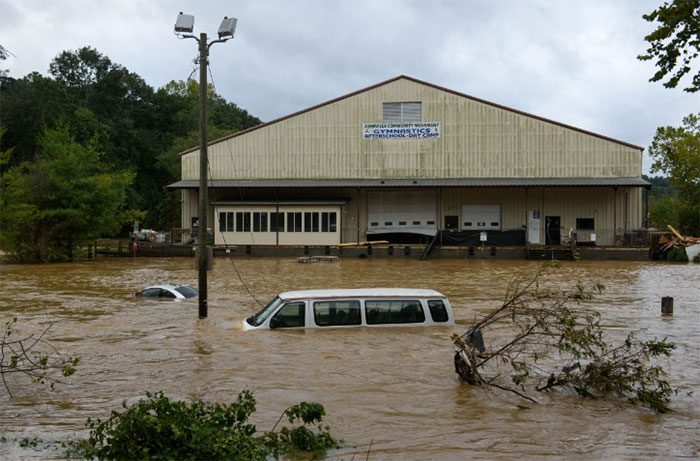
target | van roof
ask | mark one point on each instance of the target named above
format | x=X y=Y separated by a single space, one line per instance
x=361 y=293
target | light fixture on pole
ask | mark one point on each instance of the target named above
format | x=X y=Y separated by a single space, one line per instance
x=184 y=25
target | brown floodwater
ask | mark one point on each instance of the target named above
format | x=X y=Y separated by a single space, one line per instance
x=394 y=388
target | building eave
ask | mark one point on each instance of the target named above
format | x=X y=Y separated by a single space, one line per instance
x=415 y=183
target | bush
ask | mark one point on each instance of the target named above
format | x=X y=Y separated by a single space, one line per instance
x=160 y=428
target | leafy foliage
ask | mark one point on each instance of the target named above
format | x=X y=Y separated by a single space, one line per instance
x=676 y=152
x=161 y=428
x=58 y=202
x=133 y=126
x=554 y=342
x=675 y=43
x=32 y=356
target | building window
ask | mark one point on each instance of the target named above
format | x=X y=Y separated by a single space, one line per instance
x=276 y=222
x=585 y=224
x=242 y=221
x=294 y=222
x=311 y=221
x=260 y=221
x=329 y=222
x=226 y=222
x=402 y=112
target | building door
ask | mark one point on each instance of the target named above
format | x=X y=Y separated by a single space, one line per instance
x=408 y=212
x=533 y=227
x=552 y=230
x=451 y=222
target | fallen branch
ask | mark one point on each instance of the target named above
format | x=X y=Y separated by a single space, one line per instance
x=32 y=356
x=552 y=341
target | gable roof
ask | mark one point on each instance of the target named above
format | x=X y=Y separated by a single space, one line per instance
x=421 y=82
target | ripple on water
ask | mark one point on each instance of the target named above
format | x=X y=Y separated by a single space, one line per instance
x=393 y=388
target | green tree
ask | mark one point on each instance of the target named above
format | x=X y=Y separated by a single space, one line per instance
x=675 y=43
x=134 y=127
x=58 y=202
x=29 y=105
x=676 y=152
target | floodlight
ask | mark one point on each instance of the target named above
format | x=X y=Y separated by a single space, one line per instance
x=184 y=23
x=227 y=27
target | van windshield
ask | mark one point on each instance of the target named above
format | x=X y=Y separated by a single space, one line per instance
x=257 y=319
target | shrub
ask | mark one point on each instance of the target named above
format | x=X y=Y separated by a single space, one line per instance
x=160 y=428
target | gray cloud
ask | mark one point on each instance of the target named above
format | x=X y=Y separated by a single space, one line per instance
x=574 y=62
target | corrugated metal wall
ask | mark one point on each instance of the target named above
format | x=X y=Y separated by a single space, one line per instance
x=477 y=140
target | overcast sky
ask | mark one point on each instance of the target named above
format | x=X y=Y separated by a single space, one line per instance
x=570 y=61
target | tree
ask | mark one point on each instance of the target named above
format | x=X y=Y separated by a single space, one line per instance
x=552 y=342
x=675 y=44
x=133 y=127
x=65 y=198
x=676 y=152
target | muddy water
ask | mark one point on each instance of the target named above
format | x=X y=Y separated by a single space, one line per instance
x=392 y=388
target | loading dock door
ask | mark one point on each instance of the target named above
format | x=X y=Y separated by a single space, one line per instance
x=412 y=212
x=481 y=217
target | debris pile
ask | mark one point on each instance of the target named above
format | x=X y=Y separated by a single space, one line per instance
x=690 y=245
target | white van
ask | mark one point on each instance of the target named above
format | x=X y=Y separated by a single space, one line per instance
x=368 y=307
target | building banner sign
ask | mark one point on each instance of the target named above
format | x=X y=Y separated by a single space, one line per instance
x=401 y=130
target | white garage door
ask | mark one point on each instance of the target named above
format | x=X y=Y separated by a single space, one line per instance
x=401 y=212
x=481 y=217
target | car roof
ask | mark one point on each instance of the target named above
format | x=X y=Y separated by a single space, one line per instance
x=167 y=287
x=361 y=293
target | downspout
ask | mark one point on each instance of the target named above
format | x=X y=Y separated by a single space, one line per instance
x=646 y=208
x=614 y=216
x=277 y=217
x=357 y=207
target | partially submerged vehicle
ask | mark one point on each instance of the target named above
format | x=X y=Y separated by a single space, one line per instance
x=168 y=292
x=343 y=308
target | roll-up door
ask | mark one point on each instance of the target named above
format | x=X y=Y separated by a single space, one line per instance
x=401 y=212
x=481 y=217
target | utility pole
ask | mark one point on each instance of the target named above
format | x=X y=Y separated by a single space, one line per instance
x=203 y=248
x=183 y=29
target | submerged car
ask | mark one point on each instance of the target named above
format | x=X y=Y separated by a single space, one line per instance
x=168 y=292
x=369 y=307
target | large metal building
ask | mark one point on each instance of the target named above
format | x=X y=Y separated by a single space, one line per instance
x=404 y=159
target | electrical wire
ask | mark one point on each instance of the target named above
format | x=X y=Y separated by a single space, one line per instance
x=252 y=235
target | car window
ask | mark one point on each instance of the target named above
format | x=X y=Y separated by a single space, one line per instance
x=328 y=313
x=438 y=311
x=290 y=315
x=392 y=311
x=167 y=294
x=150 y=293
x=187 y=292
x=264 y=313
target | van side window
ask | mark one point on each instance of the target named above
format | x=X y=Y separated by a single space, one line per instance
x=327 y=313
x=438 y=311
x=394 y=311
x=290 y=315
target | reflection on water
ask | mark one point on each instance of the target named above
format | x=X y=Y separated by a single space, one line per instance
x=393 y=387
